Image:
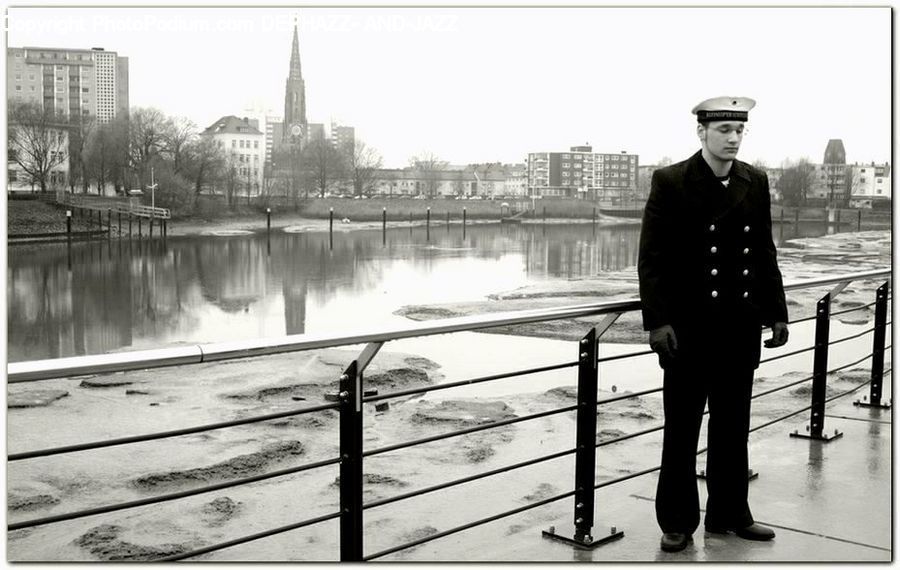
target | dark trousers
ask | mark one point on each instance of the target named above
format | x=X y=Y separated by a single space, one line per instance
x=686 y=389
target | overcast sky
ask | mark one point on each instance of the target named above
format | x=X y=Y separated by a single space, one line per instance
x=492 y=84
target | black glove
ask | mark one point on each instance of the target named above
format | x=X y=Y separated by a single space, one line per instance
x=779 y=336
x=663 y=343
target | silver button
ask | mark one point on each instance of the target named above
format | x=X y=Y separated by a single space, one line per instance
x=712 y=227
x=746 y=250
x=746 y=229
x=714 y=272
x=713 y=249
x=715 y=294
x=746 y=272
x=746 y=294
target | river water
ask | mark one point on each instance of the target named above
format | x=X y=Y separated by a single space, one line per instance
x=116 y=295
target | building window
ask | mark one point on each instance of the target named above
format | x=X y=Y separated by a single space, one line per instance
x=878 y=181
x=11 y=175
x=233 y=143
x=567 y=156
x=84 y=89
x=18 y=87
x=255 y=144
x=242 y=143
x=862 y=179
x=878 y=190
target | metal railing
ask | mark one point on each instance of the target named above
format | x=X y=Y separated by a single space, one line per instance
x=352 y=396
x=115 y=205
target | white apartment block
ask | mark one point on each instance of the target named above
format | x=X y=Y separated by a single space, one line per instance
x=245 y=144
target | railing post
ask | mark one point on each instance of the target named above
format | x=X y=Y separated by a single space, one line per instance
x=579 y=534
x=351 y=444
x=816 y=428
x=881 y=302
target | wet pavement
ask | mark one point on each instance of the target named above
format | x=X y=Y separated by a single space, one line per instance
x=826 y=501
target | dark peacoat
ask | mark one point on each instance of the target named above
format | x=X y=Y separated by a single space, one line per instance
x=707 y=262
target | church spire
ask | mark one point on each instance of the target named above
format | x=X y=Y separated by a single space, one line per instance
x=295 y=72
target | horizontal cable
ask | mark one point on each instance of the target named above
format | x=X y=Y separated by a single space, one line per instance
x=480 y=522
x=846 y=338
x=444 y=386
x=491 y=425
x=633 y=475
x=803 y=320
x=839 y=368
x=169 y=497
x=627 y=355
x=628 y=396
x=468 y=479
x=633 y=435
x=853 y=309
x=252 y=537
x=786 y=354
x=782 y=387
x=164 y=434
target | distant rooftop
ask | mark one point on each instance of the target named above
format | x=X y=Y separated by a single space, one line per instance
x=233 y=125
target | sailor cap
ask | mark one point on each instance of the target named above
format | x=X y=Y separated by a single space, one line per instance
x=724 y=109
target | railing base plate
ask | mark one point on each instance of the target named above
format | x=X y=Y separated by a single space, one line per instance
x=566 y=533
x=751 y=474
x=879 y=405
x=826 y=437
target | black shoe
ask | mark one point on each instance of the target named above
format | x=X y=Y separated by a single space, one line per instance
x=675 y=541
x=752 y=532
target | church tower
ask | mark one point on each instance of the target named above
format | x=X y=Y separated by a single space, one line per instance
x=295 y=125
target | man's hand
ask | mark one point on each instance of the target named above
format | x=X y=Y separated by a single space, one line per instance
x=779 y=336
x=663 y=343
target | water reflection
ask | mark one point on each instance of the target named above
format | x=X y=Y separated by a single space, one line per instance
x=110 y=295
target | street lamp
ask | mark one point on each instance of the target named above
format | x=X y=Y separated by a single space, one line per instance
x=152 y=188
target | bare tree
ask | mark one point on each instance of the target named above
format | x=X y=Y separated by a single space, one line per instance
x=178 y=132
x=796 y=181
x=203 y=164
x=363 y=166
x=147 y=128
x=80 y=130
x=429 y=166
x=105 y=154
x=37 y=141
x=323 y=163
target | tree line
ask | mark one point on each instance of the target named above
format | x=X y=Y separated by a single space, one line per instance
x=126 y=152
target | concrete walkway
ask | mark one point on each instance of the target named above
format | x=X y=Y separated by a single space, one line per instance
x=828 y=502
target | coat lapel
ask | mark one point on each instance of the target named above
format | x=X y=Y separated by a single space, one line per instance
x=706 y=194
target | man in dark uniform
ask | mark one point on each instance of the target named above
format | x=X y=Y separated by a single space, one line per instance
x=709 y=281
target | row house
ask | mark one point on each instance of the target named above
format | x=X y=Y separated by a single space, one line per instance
x=486 y=181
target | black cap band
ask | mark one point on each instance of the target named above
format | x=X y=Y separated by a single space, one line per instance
x=704 y=116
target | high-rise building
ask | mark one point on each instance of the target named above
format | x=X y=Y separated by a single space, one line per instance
x=582 y=173
x=343 y=138
x=72 y=82
x=294 y=98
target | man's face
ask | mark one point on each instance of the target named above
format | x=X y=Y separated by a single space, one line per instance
x=722 y=138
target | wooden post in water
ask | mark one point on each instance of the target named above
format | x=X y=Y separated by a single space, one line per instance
x=464 y=223
x=69 y=225
x=859 y=220
x=383 y=225
x=330 y=228
x=428 y=223
x=140 y=223
x=837 y=220
x=781 y=225
x=130 y=220
x=119 y=215
x=108 y=223
x=99 y=219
